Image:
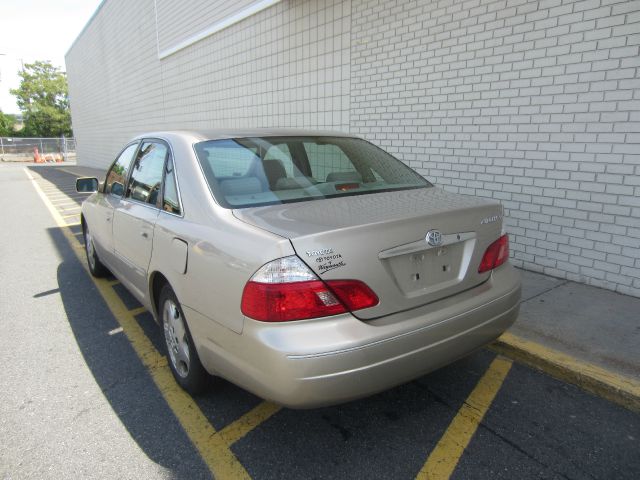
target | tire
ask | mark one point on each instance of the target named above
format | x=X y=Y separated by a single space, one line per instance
x=181 y=353
x=96 y=267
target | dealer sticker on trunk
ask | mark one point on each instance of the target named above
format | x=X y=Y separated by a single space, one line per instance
x=315 y=253
x=326 y=259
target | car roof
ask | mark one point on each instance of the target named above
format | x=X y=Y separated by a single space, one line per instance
x=220 y=134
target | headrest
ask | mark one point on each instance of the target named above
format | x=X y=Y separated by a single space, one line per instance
x=240 y=186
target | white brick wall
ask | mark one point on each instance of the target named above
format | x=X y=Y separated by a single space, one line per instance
x=534 y=103
x=177 y=21
x=286 y=66
x=114 y=80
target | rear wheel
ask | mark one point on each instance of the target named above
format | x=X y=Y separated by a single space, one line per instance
x=183 y=357
x=96 y=267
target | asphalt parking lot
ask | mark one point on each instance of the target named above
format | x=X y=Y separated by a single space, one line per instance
x=86 y=391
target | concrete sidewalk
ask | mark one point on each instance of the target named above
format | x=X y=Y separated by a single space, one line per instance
x=582 y=334
x=594 y=325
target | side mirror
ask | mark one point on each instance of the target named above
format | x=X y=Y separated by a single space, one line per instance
x=87 y=185
x=117 y=188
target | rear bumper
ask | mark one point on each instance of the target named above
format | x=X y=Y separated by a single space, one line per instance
x=321 y=362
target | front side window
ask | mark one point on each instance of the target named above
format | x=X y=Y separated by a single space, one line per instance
x=117 y=176
x=248 y=172
x=146 y=175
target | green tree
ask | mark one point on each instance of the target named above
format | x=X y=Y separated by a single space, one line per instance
x=6 y=125
x=44 y=100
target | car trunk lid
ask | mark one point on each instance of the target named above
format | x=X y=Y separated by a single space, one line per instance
x=381 y=239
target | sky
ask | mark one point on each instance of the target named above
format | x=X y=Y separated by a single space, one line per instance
x=37 y=30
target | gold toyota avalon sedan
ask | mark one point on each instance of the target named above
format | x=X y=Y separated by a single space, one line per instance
x=309 y=268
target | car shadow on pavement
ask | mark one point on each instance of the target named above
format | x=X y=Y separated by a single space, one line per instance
x=332 y=434
x=534 y=418
x=387 y=435
x=344 y=440
x=119 y=373
x=360 y=431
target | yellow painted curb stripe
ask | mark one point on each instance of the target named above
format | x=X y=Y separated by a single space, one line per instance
x=445 y=456
x=616 y=388
x=250 y=420
x=212 y=447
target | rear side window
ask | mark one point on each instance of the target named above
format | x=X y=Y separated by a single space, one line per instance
x=248 y=172
x=117 y=176
x=170 y=200
x=146 y=176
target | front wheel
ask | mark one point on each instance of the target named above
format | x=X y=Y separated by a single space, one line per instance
x=183 y=357
x=96 y=267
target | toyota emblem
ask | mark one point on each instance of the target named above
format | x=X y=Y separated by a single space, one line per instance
x=434 y=238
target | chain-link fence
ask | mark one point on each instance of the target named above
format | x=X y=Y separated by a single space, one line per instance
x=17 y=149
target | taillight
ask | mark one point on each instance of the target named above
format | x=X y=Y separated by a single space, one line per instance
x=496 y=254
x=286 y=289
x=354 y=294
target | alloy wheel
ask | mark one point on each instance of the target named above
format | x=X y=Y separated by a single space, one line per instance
x=175 y=335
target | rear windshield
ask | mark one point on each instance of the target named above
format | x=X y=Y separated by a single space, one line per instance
x=249 y=172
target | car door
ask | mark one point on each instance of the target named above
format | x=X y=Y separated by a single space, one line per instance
x=135 y=216
x=99 y=215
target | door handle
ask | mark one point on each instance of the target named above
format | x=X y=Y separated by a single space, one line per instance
x=145 y=234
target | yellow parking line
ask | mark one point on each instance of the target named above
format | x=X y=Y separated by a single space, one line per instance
x=212 y=447
x=75 y=174
x=250 y=420
x=52 y=210
x=137 y=311
x=235 y=430
x=445 y=456
x=57 y=192
x=60 y=198
x=56 y=197
x=54 y=190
